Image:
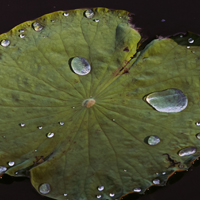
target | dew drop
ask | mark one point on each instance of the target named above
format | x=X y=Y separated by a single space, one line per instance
x=96 y=20
x=125 y=170
x=22 y=124
x=50 y=135
x=153 y=140
x=163 y=173
x=169 y=101
x=2 y=169
x=65 y=195
x=66 y=14
x=35 y=150
x=187 y=151
x=16 y=173
x=5 y=43
x=73 y=107
x=112 y=194
x=61 y=123
x=137 y=189
x=21 y=35
x=44 y=188
x=188 y=47
x=113 y=120
x=193 y=51
x=11 y=163
x=52 y=21
x=156 y=181
x=163 y=20
x=120 y=17
x=80 y=66
x=198 y=136
x=198 y=123
x=98 y=196
x=181 y=36
x=190 y=40
x=37 y=26
x=21 y=30
x=89 y=14
x=40 y=127
x=101 y=188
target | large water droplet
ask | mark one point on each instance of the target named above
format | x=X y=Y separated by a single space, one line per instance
x=137 y=189
x=11 y=163
x=190 y=40
x=2 y=169
x=80 y=66
x=101 y=188
x=44 y=188
x=50 y=135
x=153 y=140
x=156 y=181
x=5 y=43
x=187 y=151
x=169 y=101
x=89 y=14
x=37 y=26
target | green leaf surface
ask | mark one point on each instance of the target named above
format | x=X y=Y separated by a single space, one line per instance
x=107 y=121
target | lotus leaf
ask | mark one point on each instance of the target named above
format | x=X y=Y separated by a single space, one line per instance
x=96 y=135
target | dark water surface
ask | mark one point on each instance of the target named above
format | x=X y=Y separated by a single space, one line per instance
x=179 y=16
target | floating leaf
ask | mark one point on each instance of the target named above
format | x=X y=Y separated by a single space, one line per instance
x=85 y=137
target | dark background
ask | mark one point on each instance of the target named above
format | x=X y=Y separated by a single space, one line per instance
x=179 y=16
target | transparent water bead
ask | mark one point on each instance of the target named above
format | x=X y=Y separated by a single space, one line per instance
x=96 y=20
x=66 y=14
x=198 y=136
x=153 y=140
x=22 y=124
x=37 y=26
x=50 y=135
x=21 y=30
x=2 y=169
x=198 y=123
x=44 y=188
x=98 y=196
x=61 y=123
x=40 y=127
x=187 y=151
x=137 y=189
x=156 y=181
x=80 y=66
x=5 y=43
x=169 y=101
x=101 y=188
x=111 y=194
x=89 y=14
x=21 y=35
x=163 y=173
x=11 y=163
x=65 y=195
x=88 y=103
x=190 y=40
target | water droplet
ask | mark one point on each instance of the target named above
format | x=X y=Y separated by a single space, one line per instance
x=187 y=151
x=40 y=127
x=37 y=26
x=156 y=181
x=89 y=14
x=5 y=43
x=198 y=136
x=193 y=51
x=44 y=188
x=35 y=149
x=73 y=107
x=96 y=20
x=52 y=21
x=21 y=35
x=22 y=124
x=66 y=14
x=198 y=123
x=153 y=140
x=2 y=169
x=157 y=173
x=100 y=188
x=190 y=40
x=181 y=166
x=181 y=36
x=50 y=135
x=16 y=173
x=112 y=194
x=163 y=173
x=120 y=17
x=65 y=195
x=169 y=101
x=137 y=189
x=163 y=20
x=21 y=30
x=188 y=47
x=125 y=170
x=80 y=66
x=113 y=120
x=88 y=103
x=11 y=163
x=61 y=123
x=98 y=196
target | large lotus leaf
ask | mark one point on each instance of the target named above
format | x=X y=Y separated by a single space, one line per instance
x=105 y=143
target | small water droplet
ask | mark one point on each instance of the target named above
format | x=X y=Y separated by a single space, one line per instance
x=113 y=120
x=89 y=14
x=98 y=196
x=22 y=124
x=156 y=181
x=44 y=188
x=187 y=151
x=157 y=173
x=163 y=173
x=65 y=195
x=198 y=136
x=73 y=107
x=137 y=189
x=181 y=166
x=163 y=20
x=52 y=21
x=2 y=169
x=101 y=188
x=120 y=17
x=169 y=101
x=16 y=173
x=21 y=30
x=61 y=123
x=5 y=43
x=80 y=66
x=11 y=163
x=21 y=35
x=153 y=140
x=190 y=40
x=35 y=149
x=37 y=26
x=112 y=194
x=188 y=47
x=50 y=135
x=96 y=20
x=193 y=51
x=181 y=36
x=40 y=127
x=125 y=170
x=66 y=14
